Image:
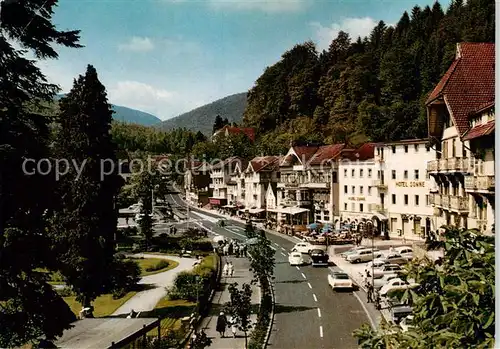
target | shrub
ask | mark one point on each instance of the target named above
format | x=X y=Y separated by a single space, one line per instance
x=119 y=293
x=158 y=266
x=126 y=274
x=65 y=292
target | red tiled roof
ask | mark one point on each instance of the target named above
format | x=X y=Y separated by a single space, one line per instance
x=364 y=152
x=480 y=130
x=483 y=107
x=249 y=131
x=326 y=153
x=264 y=163
x=468 y=83
x=304 y=154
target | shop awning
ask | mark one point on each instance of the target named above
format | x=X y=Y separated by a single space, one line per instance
x=291 y=210
x=379 y=216
x=217 y=201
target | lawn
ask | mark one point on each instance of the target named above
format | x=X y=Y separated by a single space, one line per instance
x=145 y=263
x=103 y=306
x=170 y=313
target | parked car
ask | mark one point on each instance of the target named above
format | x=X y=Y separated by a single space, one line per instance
x=399 y=312
x=306 y=247
x=377 y=263
x=351 y=251
x=139 y=216
x=405 y=251
x=407 y=323
x=394 y=284
x=319 y=258
x=340 y=281
x=395 y=258
x=382 y=281
x=295 y=258
x=365 y=255
x=387 y=269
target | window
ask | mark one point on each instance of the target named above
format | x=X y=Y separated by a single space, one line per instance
x=345 y=173
x=353 y=174
x=360 y=173
x=369 y=190
x=416 y=148
x=361 y=190
x=393 y=174
x=417 y=200
x=405 y=174
x=464 y=152
x=406 y=149
x=345 y=189
x=360 y=207
x=393 y=149
x=353 y=189
x=394 y=199
x=406 y=199
x=345 y=206
x=369 y=173
x=353 y=208
x=416 y=175
x=453 y=148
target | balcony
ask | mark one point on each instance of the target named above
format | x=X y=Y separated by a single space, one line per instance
x=379 y=183
x=486 y=183
x=470 y=183
x=445 y=201
x=378 y=208
x=433 y=166
x=458 y=203
x=436 y=199
x=442 y=164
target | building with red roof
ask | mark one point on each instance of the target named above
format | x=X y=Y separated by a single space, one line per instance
x=234 y=130
x=461 y=122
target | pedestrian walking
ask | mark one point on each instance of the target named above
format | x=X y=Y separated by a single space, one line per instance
x=225 y=270
x=221 y=324
x=226 y=250
x=391 y=249
x=231 y=269
x=234 y=328
x=237 y=250
x=370 y=294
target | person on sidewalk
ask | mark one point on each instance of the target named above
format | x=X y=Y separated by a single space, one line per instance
x=225 y=269
x=221 y=324
x=370 y=293
x=230 y=269
x=236 y=250
x=234 y=328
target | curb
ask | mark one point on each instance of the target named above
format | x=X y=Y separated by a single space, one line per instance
x=271 y=317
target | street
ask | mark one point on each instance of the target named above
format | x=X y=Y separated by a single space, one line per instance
x=308 y=314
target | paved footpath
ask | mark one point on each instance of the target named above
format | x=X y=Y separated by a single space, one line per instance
x=242 y=274
x=147 y=300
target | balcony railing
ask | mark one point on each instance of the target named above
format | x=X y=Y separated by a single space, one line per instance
x=486 y=182
x=431 y=199
x=470 y=183
x=378 y=208
x=379 y=183
x=437 y=199
x=459 y=203
x=445 y=201
x=433 y=166
x=442 y=165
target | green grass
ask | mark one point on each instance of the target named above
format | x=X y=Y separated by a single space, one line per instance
x=171 y=312
x=151 y=262
x=103 y=306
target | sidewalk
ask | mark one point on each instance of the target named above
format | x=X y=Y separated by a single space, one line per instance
x=242 y=274
x=147 y=300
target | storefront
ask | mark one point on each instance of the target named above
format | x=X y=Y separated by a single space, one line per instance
x=217 y=202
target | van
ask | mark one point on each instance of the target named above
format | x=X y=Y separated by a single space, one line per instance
x=364 y=255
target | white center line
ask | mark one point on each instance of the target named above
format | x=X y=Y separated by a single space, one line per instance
x=315 y=299
x=275 y=244
x=319 y=312
x=283 y=249
x=297 y=267
x=308 y=284
x=321 y=331
x=284 y=255
x=303 y=276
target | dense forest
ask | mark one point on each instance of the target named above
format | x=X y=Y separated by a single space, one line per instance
x=362 y=89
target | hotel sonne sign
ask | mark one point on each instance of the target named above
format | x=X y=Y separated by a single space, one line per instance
x=410 y=184
x=359 y=198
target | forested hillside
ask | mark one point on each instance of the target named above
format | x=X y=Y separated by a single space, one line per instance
x=202 y=118
x=370 y=88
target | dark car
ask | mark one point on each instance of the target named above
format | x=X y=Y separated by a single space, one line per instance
x=319 y=258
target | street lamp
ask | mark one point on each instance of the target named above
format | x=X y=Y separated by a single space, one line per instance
x=369 y=228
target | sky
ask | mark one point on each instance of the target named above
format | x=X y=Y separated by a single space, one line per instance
x=167 y=57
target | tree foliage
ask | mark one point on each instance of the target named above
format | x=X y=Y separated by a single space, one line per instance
x=454 y=306
x=262 y=259
x=240 y=307
x=29 y=307
x=361 y=89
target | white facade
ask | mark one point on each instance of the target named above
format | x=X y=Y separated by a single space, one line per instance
x=402 y=187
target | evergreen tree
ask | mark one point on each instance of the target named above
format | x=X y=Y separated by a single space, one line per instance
x=218 y=124
x=84 y=221
x=30 y=308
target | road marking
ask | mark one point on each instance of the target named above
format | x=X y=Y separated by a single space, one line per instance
x=308 y=284
x=319 y=312
x=275 y=244
x=283 y=249
x=273 y=248
x=297 y=267
x=303 y=276
x=321 y=331
x=315 y=299
x=284 y=255
x=366 y=311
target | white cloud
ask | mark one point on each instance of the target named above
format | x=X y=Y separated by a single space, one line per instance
x=353 y=26
x=273 y=6
x=137 y=44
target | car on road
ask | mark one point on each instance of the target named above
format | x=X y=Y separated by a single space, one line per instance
x=381 y=282
x=405 y=251
x=340 y=281
x=394 y=284
x=319 y=258
x=395 y=258
x=387 y=269
x=351 y=251
x=295 y=259
x=365 y=255
x=306 y=247
x=407 y=323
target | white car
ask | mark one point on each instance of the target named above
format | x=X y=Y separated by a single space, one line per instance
x=351 y=251
x=381 y=282
x=407 y=323
x=339 y=280
x=365 y=255
x=405 y=251
x=394 y=284
x=376 y=264
x=139 y=216
x=387 y=269
x=306 y=247
x=295 y=258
